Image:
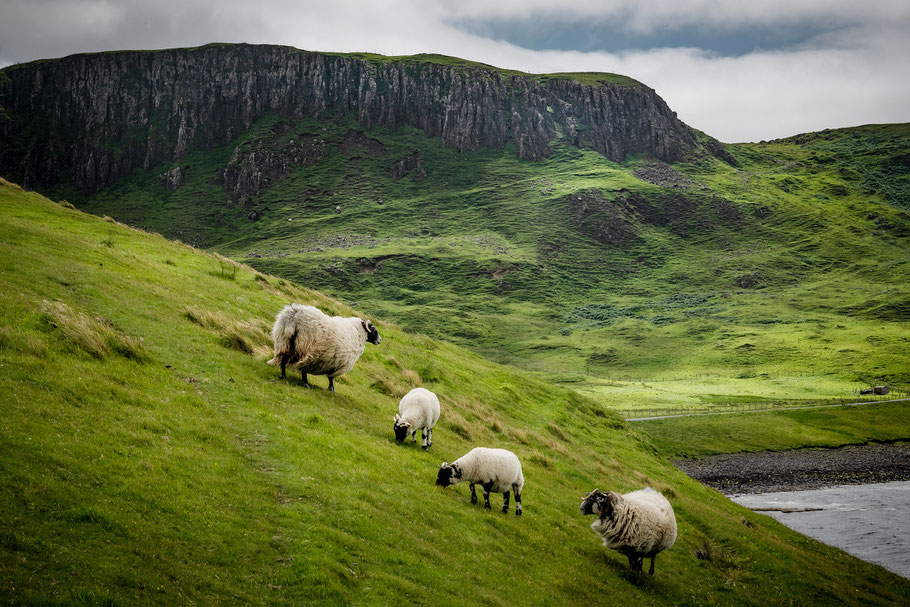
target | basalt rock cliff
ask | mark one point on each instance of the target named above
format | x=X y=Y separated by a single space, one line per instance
x=90 y=119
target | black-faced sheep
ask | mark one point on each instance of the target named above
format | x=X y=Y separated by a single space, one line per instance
x=319 y=344
x=493 y=469
x=418 y=410
x=638 y=524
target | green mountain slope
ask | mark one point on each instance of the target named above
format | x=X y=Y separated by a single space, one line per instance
x=148 y=455
x=782 y=276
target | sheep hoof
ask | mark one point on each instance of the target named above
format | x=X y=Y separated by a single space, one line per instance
x=426 y=447
x=474 y=500
x=505 y=509
x=487 y=506
x=518 y=513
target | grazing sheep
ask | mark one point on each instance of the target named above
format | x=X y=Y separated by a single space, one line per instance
x=638 y=524
x=319 y=344
x=494 y=469
x=418 y=409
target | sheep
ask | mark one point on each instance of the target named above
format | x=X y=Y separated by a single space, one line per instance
x=638 y=524
x=418 y=409
x=319 y=344
x=494 y=469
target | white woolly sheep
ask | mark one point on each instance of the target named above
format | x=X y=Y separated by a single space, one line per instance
x=418 y=410
x=319 y=344
x=638 y=524
x=493 y=469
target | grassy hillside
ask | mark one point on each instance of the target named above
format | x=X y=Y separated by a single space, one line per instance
x=148 y=455
x=638 y=284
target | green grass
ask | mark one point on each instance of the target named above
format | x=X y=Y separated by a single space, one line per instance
x=783 y=278
x=699 y=436
x=182 y=471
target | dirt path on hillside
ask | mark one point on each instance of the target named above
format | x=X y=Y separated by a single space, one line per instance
x=800 y=469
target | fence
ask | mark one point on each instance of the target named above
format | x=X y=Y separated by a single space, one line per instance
x=760 y=406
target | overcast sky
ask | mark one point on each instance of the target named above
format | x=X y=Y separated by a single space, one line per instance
x=740 y=71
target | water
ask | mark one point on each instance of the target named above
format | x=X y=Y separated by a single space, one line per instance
x=871 y=522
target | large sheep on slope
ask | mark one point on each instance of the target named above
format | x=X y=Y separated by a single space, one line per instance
x=494 y=469
x=418 y=409
x=319 y=344
x=638 y=524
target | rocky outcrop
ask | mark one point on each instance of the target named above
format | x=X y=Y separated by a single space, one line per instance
x=257 y=164
x=93 y=118
x=409 y=165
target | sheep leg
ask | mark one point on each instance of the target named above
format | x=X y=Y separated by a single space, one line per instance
x=505 y=502
x=331 y=384
x=651 y=570
x=473 y=494
x=487 y=487
x=284 y=361
x=414 y=435
x=306 y=384
x=517 y=501
x=429 y=438
x=635 y=563
x=426 y=438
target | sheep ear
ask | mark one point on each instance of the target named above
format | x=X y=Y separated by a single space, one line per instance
x=397 y=417
x=444 y=465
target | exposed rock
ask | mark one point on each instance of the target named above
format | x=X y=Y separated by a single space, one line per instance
x=103 y=114
x=256 y=165
x=172 y=179
x=355 y=141
x=719 y=150
x=602 y=219
x=662 y=174
x=409 y=165
x=751 y=280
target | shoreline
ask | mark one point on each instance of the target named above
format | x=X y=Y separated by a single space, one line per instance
x=801 y=469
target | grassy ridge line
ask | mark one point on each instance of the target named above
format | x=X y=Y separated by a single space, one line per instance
x=187 y=473
x=731 y=433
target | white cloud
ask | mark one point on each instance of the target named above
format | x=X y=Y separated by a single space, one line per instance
x=856 y=72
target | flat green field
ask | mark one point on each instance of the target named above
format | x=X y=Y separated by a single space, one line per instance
x=698 y=436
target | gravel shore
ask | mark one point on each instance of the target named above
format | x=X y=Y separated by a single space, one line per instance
x=801 y=468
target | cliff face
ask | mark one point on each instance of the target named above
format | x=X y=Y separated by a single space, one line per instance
x=94 y=118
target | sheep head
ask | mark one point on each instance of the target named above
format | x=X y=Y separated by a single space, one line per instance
x=449 y=474
x=372 y=333
x=600 y=503
x=401 y=428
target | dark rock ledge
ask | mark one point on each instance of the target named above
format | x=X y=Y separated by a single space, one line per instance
x=801 y=469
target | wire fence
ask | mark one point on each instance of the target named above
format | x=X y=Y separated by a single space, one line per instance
x=747 y=407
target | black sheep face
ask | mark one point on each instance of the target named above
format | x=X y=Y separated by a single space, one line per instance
x=599 y=503
x=448 y=475
x=372 y=333
x=402 y=429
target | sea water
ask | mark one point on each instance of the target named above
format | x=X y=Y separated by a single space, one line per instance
x=871 y=522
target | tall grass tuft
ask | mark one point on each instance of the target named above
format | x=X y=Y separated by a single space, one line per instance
x=96 y=336
x=249 y=336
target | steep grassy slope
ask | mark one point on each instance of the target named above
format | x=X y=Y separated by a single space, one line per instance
x=784 y=277
x=148 y=455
